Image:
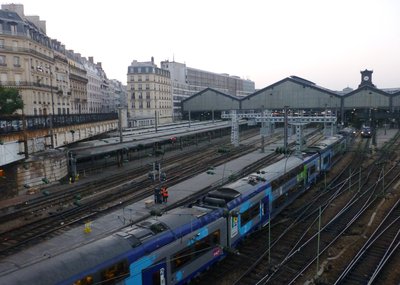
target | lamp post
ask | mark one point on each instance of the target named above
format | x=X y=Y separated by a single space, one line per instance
x=40 y=69
x=52 y=108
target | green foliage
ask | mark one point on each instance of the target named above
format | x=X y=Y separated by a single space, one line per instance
x=10 y=101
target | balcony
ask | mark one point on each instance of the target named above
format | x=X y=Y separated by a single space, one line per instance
x=19 y=84
x=24 y=50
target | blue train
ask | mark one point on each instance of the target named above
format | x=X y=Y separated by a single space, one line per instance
x=177 y=246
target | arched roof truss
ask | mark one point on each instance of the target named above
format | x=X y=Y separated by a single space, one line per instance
x=210 y=99
x=292 y=93
x=367 y=97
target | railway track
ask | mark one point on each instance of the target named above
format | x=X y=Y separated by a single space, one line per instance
x=254 y=254
x=366 y=267
x=317 y=240
x=293 y=249
x=101 y=203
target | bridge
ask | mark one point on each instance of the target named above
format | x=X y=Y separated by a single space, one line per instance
x=21 y=136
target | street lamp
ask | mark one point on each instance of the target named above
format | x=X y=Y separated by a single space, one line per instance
x=52 y=109
x=40 y=69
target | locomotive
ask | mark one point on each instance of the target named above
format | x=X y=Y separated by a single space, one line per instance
x=177 y=246
x=366 y=132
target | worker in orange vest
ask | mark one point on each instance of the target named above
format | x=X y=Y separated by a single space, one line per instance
x=164 y=194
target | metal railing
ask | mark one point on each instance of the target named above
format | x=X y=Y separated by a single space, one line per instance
x=13 y=124
x=17 y=84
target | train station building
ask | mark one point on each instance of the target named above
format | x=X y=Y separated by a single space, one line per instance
x=365 y=105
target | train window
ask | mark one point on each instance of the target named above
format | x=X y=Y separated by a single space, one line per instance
x=313 y=169
x=248 y=215
x=156 y=278
x=326 y=159
x=286 y=177
x=195 y=250
x=87 y=280
x=278 y=202
x=115 y=272
x=216 y=237
x=181 y=258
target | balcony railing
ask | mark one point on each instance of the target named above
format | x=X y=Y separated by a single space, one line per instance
x=17 y=84
x=13 y=124
x=24 y=50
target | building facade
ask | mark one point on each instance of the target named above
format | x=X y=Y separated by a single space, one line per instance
x=50 y=79
x=150 y=96
x=186 y=81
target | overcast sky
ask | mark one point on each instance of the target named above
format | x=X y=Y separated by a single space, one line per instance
x=327 y=42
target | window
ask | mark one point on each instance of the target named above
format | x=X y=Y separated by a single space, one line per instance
x=195 y=250
x=115 y=273
x=3 y=78
x=279 y=202
x=248 y=215
x=13 y=29
x=16 y=61
x=3 y=60
x=1 y=43
x=87 y=280
x=17 y=78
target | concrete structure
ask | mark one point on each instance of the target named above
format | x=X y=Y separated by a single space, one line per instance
x=186 y=81
x=150 y=99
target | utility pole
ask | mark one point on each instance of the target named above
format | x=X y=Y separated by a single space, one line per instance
x=120 y=124
x=26 y=150
x=285 y=129
x=52 y=109
x=319 y=233
x=155 y=119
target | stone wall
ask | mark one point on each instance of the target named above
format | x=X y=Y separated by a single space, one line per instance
x=40 y=170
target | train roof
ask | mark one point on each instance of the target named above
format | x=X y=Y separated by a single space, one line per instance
x=323 y=144
x=62 y=265
x=252 y=184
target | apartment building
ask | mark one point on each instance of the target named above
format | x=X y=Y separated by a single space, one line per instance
x=149 y=94
x=26 y=60
x=79 y=81
x=50 y=78
x=186 y=81
x=94 y=94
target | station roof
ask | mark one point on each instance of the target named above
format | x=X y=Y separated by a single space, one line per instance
x=112 y=144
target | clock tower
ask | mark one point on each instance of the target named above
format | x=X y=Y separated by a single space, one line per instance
x=366 y=78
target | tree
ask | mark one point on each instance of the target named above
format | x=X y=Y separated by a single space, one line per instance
x=10 y=101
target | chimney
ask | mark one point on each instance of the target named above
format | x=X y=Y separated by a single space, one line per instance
x=99 y=64
x=152 y=60
x=17 y=8
x=91 y=59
